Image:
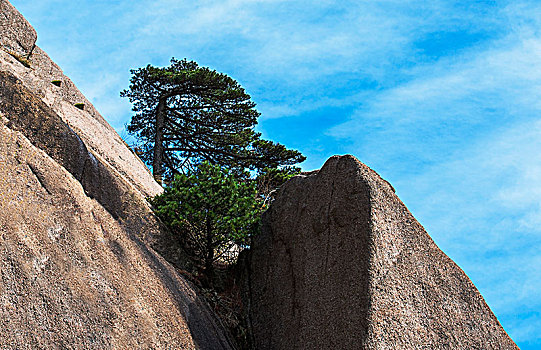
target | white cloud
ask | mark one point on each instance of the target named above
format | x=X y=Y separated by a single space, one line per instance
x=482 y=207
x=452 y=100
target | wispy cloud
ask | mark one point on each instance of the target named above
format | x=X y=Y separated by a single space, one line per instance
x=310 y=49
x=462 y=139
x=452 y=100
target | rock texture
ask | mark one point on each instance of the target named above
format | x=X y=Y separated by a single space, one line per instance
x=342 y=264
x=76 y=267
x=18 y=36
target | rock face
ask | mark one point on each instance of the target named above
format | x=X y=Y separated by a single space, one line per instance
x=18 y=36
x=342 y=264
x=77 y=270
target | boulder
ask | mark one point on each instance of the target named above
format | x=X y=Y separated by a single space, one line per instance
x=71 y=277
x=342 y=264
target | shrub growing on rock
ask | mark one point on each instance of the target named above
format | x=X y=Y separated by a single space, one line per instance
x=211 y=211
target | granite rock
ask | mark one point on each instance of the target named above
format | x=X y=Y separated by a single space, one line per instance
x=78 y=240
x=17 y=35
x=342 y=264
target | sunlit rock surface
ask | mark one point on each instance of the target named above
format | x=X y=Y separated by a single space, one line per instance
x=77 y=267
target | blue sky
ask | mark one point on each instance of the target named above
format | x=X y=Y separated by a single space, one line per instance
x=442 y=98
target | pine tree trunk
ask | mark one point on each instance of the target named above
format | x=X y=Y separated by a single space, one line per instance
x=157 y=161
x=209 y=261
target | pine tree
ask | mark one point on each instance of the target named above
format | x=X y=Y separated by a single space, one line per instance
x=186 y=114
x=210 y=211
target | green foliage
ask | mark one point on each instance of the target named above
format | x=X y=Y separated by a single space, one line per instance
x=195 y=127
x=203 y=116
x=211 y=211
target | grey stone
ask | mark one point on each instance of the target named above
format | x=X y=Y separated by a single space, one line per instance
x=16 y=34
x=342 y=264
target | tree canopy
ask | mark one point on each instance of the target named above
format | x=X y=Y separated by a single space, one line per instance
x=186 y=114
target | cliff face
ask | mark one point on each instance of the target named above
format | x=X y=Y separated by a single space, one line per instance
x=342 y=264
x=76 y=263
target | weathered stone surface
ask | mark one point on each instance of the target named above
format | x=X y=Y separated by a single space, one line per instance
x=72 y=277
x=128 y=180
x=97 y=134
x=46 y=130
x=16 y=34
x=342 y=264
x=76 y=267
